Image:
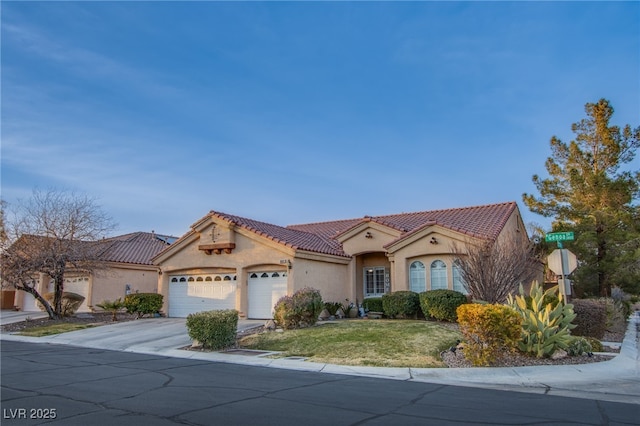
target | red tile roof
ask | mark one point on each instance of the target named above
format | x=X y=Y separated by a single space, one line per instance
x=480 y=221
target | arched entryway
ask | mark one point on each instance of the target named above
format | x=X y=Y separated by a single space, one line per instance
x=373 y=275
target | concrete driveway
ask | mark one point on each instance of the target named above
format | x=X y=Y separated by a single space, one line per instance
x=146 y=335
x=9 y=317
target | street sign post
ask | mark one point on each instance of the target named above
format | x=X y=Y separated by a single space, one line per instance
x=559 y=237
x=562 y=262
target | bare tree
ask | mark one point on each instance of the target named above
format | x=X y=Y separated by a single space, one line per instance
x=52 y=232
x=492 y=270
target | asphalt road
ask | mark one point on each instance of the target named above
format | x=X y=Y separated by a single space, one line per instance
x=64 y=385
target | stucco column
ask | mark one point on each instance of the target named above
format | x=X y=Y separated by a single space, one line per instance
x=90 y=293
x=163 y=289
x=353 y=278
x=18 y=300
x=241 y=292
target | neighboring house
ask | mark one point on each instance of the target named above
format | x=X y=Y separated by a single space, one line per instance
x=227 y=261
x=125 y=267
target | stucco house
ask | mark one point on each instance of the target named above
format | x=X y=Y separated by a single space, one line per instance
x=226 y=261
x=126 y=267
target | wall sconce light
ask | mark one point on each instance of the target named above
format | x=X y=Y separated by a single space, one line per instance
x=433 y=240
x=368 y=235
x=286 y=262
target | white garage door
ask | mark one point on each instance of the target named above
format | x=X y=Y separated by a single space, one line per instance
x=29 y=303
x=78 y=285
x=265 y=288
x=198 y=293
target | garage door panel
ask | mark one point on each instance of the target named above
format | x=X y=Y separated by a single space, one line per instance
x=187 y=297
x=265 y=289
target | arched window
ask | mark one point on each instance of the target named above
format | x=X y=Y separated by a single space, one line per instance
x=208 y=279
x=275 y=274
x=217 y=278
x=417 y=277
x=253 y=276
x=438 y=275
x=183 y=280
x=174 y=280
x=264 y=275
x=458 y=281
x=227 y=278
x=199 y=279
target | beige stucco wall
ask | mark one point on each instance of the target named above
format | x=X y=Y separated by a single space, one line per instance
x=107 y=283
x=421 y=249
x=332 y=279
x=248 y=255
x=110 y=283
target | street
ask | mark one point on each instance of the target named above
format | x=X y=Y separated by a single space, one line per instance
x=65 y=385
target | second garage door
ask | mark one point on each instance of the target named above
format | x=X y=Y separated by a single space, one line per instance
x=265 y=288
x=198 y=293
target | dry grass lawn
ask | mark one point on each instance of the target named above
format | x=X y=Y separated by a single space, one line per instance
x=378 y=343
x=48 y=330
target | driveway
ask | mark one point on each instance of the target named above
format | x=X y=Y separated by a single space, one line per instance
x=146 y=335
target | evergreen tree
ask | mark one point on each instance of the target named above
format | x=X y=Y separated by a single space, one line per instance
x=589 y=193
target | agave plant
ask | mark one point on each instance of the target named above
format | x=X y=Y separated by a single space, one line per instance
x=545 y=327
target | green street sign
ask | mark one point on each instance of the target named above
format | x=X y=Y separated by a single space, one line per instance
x=559 y=236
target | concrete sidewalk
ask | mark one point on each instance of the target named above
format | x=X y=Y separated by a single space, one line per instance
x=616 y=380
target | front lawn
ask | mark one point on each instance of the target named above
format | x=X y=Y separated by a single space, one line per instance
x=378 y=343
x=48 y=330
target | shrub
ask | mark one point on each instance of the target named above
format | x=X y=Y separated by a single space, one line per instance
x=591 y=318
x=113 y=307
x=372 y=304
x=299 y=310
x=143 y=303
x=488 y=330
x=347 y=307
x=441 y=304
x=579 y=346
x=70 y=302
x=401 y=304
x=545 y=328
x=332 y=307
x=214 y=329
x=596 y=345
x=618 y=310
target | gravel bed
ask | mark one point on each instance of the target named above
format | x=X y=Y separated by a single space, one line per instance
x=457 y=360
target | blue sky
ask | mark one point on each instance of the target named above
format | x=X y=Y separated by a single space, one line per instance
x=296 y=112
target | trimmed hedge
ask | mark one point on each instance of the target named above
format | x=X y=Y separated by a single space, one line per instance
x=591 y=318
x=214 y=329
x=401 y=304
x=298 y=310
x=373 y=304
x=70 y=302
x=143 y=303
x=441 y=304
x=488 y=330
